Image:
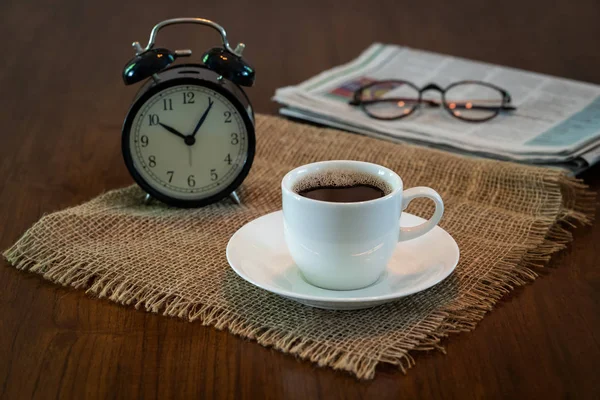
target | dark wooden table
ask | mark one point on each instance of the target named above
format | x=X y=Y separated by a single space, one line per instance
x=62 y=103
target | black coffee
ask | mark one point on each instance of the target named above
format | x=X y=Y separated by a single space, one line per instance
x=342 y=186
x=343 y=194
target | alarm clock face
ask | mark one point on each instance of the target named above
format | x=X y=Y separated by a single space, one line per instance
x=188 y=143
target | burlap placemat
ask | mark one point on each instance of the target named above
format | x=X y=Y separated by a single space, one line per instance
x=506 y=218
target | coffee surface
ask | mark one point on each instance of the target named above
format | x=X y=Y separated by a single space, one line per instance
x=343 y=194
x=342 y=186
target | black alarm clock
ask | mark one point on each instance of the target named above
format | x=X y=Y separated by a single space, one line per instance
x=188 y=138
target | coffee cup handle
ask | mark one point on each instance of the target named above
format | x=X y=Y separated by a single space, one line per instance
x=416 y=231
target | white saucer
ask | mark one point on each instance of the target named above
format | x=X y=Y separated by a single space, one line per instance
x=257 y=252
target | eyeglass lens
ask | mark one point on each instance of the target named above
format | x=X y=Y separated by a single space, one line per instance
x=389 y=100
x=473 y=101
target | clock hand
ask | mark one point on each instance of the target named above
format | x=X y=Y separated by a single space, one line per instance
x=172 y=130
x=203 y=117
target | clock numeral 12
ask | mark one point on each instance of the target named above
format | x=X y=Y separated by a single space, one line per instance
x=188 y=98
x=153 y=119
x=167 y=104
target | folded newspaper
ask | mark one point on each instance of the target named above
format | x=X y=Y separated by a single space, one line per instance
x=556 y=123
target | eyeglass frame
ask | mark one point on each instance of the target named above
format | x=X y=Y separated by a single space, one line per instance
x=357 y=101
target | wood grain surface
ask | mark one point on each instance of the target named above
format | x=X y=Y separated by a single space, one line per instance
x=62 y=103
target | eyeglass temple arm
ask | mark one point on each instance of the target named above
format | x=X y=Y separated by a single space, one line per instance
x=357 y=101
x=433 y=103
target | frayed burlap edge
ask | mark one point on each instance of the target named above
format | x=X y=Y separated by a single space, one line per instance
x=516 y=269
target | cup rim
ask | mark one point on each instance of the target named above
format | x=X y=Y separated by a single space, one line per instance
x=286 y=189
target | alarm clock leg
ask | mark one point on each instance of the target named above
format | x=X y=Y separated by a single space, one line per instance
x=147 y=199
x=235 y=198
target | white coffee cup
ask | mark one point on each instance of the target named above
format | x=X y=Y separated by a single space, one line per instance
x=345 y=246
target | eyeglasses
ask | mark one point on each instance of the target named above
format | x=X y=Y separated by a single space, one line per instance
x=471 y=101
